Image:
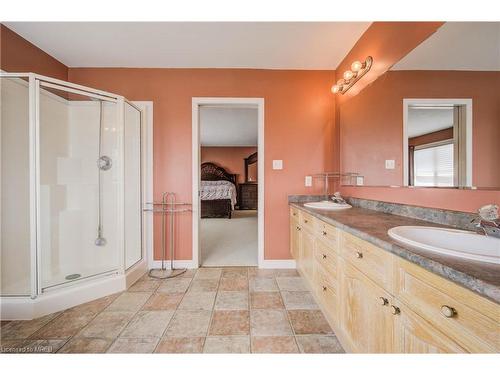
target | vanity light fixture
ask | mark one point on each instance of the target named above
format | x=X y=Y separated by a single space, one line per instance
x=358 y=70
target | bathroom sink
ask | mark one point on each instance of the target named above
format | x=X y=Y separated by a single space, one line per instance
x=327 y=205
x=458 y=243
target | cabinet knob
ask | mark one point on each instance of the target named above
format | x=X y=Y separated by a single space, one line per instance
x=448 y=311
x=305 y=221
x=324 y=233
x=383 y=301
x=359 y=254
x=294 y=214
x=298 y=228
x=324 y=288
x=324 y=256
x=395 y=310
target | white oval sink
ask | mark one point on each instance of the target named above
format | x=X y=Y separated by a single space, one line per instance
x=327 y=205
x=458 y=243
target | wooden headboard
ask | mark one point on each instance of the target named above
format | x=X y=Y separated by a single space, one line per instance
x=212 y=172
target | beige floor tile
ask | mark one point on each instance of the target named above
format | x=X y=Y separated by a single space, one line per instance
x=148 y=324
x=198 y=301
x=95 y=306
x=231 y=301
x=84 y=345
x=235 y=272
x=144 y=286
x=299 y=301
x=176 y=285
x=64 y=326
x=230 y=323
x=204 y=285
x=319 y=344
x=129 y=301
x=234 y=284
x=309 y=322
x=180 y=345
x=189 y=323
x=163 y=301
x=283 y=344
x=286 y=272
x=21 y=329
x=107 y=324
x=269 y=323
x=266 y=300
x=208 y=273
x=227 y=344
x=134 y=345
x=263 y=284
x=43 y=346
x=291 y=284
x=260 y=272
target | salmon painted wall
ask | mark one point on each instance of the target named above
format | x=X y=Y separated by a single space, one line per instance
x=230 y=158
x=371 y=123
x=20 y=56
x=299 y=112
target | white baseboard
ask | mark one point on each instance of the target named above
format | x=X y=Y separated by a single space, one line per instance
x=278 y=263
x=135 y=272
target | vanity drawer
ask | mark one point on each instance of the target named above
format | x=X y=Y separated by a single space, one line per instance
x=326 y=258
x=326 y=292
x=294 y=213
x=375 y=263
x=306 y=220
x=472 y=321
x=327 y=233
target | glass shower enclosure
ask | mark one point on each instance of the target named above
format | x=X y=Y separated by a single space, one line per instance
x=71 y=185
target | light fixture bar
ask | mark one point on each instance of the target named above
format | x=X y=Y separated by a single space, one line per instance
x=350 y=77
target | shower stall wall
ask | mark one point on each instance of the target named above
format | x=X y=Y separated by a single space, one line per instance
x=71 y=194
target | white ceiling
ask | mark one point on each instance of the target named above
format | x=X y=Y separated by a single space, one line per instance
x=264 y=45
x=428 y=120
x=228 y=126
x=457 y=46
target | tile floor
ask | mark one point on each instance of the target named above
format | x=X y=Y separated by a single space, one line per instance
x=209 y=310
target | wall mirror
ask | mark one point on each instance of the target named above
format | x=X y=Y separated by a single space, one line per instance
x=433 y=119
x=251 y=168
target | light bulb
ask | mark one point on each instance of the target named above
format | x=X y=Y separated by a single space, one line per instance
x=356 y=66
x=335 y=89
x=348 y=75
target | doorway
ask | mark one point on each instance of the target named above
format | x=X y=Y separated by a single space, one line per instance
x=228 y=181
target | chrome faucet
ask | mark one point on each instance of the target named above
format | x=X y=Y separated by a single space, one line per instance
x=338 y=199
x=488 y=221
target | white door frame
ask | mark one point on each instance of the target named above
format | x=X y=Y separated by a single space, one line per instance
x=468 y=131
x=196 y=103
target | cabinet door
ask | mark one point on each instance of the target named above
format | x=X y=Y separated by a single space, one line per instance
x=294 y=238
x=413 y=334
x=365 y=317
x=307 y=253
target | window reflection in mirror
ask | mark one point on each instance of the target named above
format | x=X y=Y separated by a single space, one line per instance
x=436 y=143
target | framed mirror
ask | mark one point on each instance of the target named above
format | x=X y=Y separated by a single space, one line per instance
x=251 y=168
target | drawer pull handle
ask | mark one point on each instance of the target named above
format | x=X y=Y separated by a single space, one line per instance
x=324 y=288
x=305 y=221
x=294 y=214
x=359 y=254
x=383 y=301
x=298 y=228
x=324 y=256
x=448 y=311
x=324 y=233
x=395 y=310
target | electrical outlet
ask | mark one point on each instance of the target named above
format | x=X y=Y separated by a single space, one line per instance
x=308 y=181
x=390 y=164
x=277 y=164
x=360 y=180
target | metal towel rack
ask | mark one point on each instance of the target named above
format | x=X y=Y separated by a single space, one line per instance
x=168 y=205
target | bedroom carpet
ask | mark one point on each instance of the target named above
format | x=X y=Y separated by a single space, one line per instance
x=230 y=242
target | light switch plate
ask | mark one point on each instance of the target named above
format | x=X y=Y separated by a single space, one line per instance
x=308 y=181
x=277 y=164
x=390 y=164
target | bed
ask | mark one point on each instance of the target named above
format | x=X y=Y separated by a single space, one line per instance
x=217 y=191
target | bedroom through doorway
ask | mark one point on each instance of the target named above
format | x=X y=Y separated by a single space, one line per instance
x=228 y=184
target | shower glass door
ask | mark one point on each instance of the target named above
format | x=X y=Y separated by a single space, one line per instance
x=79 y=185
